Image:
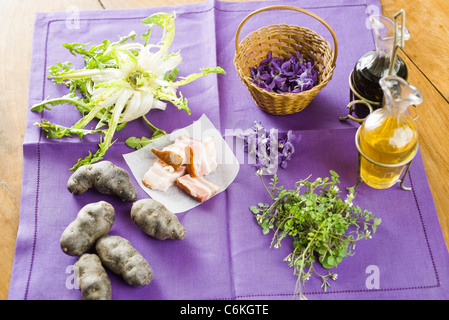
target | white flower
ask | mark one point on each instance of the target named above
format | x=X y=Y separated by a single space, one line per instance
x=348 y=201
x=333 y=276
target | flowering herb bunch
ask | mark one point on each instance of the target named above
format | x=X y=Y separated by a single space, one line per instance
x=268 y=149
x=322 y=225
x=290 y=75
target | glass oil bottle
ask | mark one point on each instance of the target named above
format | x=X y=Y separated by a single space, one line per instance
x=388 y=136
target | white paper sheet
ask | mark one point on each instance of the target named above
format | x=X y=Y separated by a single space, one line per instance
x=174 y=198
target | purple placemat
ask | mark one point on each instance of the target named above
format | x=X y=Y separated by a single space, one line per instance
x=225 y=255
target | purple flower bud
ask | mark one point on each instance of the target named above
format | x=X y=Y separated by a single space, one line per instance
x=293 y=74
x=265 y=77
x=269 y=147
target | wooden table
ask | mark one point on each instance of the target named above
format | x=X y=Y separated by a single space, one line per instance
x=425 y=54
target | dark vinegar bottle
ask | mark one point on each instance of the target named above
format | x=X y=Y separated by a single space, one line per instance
x=374 y=65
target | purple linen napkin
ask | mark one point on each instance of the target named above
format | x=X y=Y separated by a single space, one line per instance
x=225 y=255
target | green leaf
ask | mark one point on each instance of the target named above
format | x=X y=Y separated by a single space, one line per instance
x=163 y=20
x=39 y=107
x=334 y=174
x=204 y=72
x=89 y=159
x=328 y=262
x=138 y=143
x=171 y=75
x=321 y=250
x=179 y=102
x=58 y=131
x=156 y=19
x=254 y=209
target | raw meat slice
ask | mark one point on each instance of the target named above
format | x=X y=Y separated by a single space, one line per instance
x=161 y=176
x=198 y=188
x=200 y=157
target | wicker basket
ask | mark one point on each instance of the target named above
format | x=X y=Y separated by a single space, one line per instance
x=283 y=40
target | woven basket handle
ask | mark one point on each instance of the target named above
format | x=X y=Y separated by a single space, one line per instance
x=288 y=8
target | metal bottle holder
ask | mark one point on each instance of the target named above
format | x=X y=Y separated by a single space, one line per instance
x=356 y=98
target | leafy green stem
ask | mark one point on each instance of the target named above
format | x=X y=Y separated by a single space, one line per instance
x=39 y=107
x=303 y=258
x=58 y=131
x=156 y=131
x=87 y=118
x=270 y=192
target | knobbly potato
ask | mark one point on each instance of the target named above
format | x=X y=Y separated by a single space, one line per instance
x=92 y=278
x=118 y=255
x=106 y=178
x=93 y=221
x=156 y=220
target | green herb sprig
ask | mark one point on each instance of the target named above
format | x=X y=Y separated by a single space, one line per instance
x=322 y=225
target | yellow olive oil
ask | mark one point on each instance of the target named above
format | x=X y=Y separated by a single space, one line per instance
x=390 y=144
x=388 y=136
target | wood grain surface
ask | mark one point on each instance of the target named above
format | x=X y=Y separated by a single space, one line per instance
x=426 y=55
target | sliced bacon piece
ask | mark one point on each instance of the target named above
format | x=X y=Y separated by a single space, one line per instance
x=203 y=157
x=169 y=157
x=199 y=157
x=198 y=188
x=179 y=147
x=161 y=176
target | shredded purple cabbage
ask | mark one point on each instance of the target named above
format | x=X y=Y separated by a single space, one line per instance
x=295 y=74
x=270 y=150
